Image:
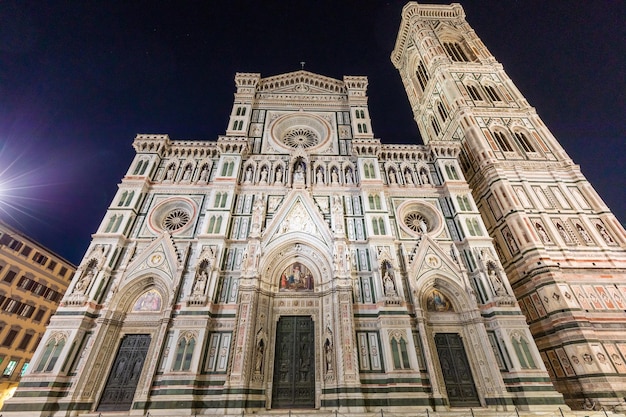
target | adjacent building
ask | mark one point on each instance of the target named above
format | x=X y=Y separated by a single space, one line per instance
x=33 y=280
x=299 y=262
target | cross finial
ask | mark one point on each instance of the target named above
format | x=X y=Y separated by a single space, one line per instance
x=302 y=64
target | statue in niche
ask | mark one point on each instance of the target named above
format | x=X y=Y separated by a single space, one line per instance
x=328 y=355
x=201 y=280
x=263 y=175
x=86 y=278
x=334 y=176
x=424 y=177
x=583 y=233
x=349 y=176
x=298 y=176
x=408 y=178
x=319 y=176
x=169 y=175
x=204 y=174
x=390 y=288
x=248 y=175
x=187 y=173
x=279 y=176
x=542 y=233
x=392 y=176
x=496 y=280
x=258 y=359
x=563 y=233
x=605 y=235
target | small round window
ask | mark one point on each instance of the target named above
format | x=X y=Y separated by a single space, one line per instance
x=300 y=136
x=172 y=215
x=175 y=219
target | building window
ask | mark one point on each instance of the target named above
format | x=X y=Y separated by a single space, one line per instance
x=368 y=170
x=25 y=341
x=8 y=371
x=473 y=92
x=215 y=224
x=26 y=250
x=62 y=272
x=10 y=338
x=473 y=227
x=40 y=258
x=399 y=353
x=522 y=350
x=464 y=204
x=451 y=172
x=24 y=368
x=374 y=200
x=184 y=353
x=455 y=52
x=227 y=168
x=51 y=265
x=378 y=225
x=435 y=125
x=51 y=354
x=10 y=276
x=524 y=141
x=39 y=315
x=502 y=141
x=443 y=113
x=492 y=93
x=422 y=75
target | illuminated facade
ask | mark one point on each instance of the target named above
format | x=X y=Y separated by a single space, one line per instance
x=297 y=262
x=562 y=248
x=32 y=282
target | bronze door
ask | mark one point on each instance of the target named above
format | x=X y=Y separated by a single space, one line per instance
x=456 y=370
x=294 y=364
x=119 y=390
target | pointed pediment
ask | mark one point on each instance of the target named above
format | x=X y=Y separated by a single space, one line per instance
x=301 y=82
x=298 y=214
x=161 y=255
x=429 y=257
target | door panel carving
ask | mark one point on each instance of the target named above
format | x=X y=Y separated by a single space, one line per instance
x=294 y=364
x=119 y=390
x=457 y=374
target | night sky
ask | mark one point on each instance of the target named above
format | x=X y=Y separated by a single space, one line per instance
x=79 y=79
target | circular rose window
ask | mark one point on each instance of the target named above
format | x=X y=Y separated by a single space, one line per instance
x=175 y=219
x=300 y=136
x=418 y=217
x=172 y=215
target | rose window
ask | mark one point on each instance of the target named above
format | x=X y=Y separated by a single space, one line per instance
x=415 y=221
x=175 y=220
x=300 y=136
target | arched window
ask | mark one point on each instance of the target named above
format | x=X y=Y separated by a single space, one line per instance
x=378 y=226
x=464 y=204
x=51 y=354
x=368 y=170
x=140 y=167
x=374 y=200
x=473 y=227
x=524 y=141
x=129 y=198
x=422 y=75
x=122 y=199
x=451 y=171
x=455 y=52
x=400 y=353
x=435 y=124
x=522 y=350
x=474 y=93
x=118 y=222
x=110 y=224
x=443 y=113
x=184 y=353
x=215 y=224
x=492 y=93
x=502 y=141
x=229 y=168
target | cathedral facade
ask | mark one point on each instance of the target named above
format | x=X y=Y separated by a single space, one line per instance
x=297 y=262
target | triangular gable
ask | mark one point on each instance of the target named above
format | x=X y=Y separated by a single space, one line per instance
x=428 y=257
x=298 y=214
x=160 y=256
x=301 y=82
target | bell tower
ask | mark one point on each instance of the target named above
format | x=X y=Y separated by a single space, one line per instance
x=563 y=250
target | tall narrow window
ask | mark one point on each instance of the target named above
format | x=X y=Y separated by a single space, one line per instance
x=473 y=92
x=184 y=353
x=422 y=75
x=455 y=52
x=523 y=140
x=443 y=113
x=50 y=355
x=399 y=353
x=492 y=93
x=502 y=141
x=435 y=124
